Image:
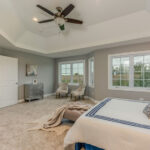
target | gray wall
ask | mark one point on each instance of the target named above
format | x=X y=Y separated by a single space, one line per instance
x=101 y=73
x=101 y=90
x=89 y=91
x=45 y=70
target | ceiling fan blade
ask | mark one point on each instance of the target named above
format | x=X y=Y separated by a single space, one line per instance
x=46 y=10
x=73 y=21
x=44 y=21
x=67 y=10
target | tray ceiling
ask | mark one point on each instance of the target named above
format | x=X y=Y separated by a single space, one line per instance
x=105 y=22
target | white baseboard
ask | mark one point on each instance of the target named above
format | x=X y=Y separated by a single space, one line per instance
x=21 y=101
x=45 y=95
x=86 y=97
x=92 y=99
x=50 y=94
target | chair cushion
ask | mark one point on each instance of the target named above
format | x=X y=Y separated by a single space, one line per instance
x=64 y=87
x=61 y=91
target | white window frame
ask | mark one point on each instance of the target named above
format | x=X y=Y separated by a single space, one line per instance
x=89 y=72
x=131 y=87
x=71 y=62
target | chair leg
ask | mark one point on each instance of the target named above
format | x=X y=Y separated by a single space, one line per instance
x=83 y=96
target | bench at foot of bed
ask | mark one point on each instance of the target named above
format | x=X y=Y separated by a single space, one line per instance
x=78 y=146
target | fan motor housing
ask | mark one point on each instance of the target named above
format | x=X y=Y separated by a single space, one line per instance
x=59 y=9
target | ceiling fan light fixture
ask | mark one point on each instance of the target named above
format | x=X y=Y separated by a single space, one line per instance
x=62 y=27
x=35 y=19
x=60 y=21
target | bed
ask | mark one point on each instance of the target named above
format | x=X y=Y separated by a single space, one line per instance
x=113 y=124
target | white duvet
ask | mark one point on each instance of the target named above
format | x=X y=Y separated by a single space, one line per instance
x=113 y=124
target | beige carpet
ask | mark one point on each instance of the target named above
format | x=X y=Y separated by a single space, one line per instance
x=14 y=134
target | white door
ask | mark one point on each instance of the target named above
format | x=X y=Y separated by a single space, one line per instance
x=8 y=81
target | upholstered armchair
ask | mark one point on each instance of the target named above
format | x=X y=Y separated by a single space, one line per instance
x=62 y=90
x=78 y=93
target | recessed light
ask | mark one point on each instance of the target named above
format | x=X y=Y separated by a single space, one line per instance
x=35 y=19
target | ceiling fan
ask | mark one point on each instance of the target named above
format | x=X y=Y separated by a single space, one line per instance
x=60 y=16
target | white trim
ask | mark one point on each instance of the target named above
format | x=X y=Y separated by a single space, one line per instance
x=131 y=77
x=89 y=72
x=92 y=99
x=109 y=71
x=130 y=89
x=130 y=53
x=47 y=95
x=73 y=84
x=21 y=101
x=71 y=62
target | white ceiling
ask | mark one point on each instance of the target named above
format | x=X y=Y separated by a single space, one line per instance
x=90 y=11
x=105 y=22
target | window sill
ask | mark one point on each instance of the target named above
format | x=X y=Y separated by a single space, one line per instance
x=129 y=89
x=73 y=84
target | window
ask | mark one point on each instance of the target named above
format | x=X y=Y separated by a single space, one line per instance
x=66 y=73
x=120 y=71
x=71 y=72
x=91 y=72
x=130 y=71
x=78 y=72
x=142 y=71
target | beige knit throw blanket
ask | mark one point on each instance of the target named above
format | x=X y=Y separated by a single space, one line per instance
x=52 y=124
x=57 y=117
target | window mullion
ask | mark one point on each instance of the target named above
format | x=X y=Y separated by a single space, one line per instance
x=143 y=72
x=120 y=72
x=131 y=73
x=90 y=72
x=93 y=72
x=71 y=72
x=110 y=72
x=60 y=73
